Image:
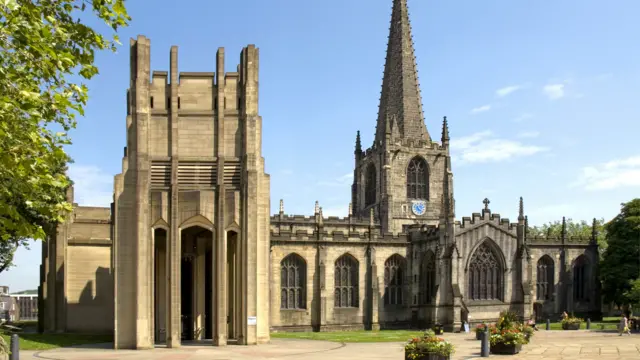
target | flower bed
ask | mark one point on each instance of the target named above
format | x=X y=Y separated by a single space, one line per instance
x=479 y=329
x=429 y=347
x=571 y=323
x=508 y=335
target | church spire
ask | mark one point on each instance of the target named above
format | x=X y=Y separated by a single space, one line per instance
x=400 y=98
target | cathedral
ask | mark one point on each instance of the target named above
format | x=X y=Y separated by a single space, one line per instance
x=189 y=252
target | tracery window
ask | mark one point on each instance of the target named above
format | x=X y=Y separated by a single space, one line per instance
x=293 y=282
x=417 y=179
x=346 y=282
x=370 y=186
x=545 y=278
x=580 y=279
x=393 y=280
x=485 y=274
x=427 y=288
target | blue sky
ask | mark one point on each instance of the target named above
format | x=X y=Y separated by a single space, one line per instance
x=541 y=97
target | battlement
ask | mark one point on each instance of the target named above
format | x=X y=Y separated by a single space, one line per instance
x=542 y=240
x=410 y=144
x=484 y=216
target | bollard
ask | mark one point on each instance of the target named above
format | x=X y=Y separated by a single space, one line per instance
x=548 y=324
x=14 y=348
x=588 y=323
x=484 y=342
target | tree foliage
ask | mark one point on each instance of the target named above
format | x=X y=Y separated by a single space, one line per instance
x=44 y=44
x=620 y=263
x=633 y=294
x=581 y=228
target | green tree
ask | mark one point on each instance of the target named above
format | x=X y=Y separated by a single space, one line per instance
x=620 y=263
x=581 y=228
x=44 y=44
x=633 y=294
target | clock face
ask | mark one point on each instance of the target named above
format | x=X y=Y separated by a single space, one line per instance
x=418 y=207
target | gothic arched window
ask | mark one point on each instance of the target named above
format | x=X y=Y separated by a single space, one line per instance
x=580 y=283
x=393 y=280
x=370 y=186
x=545 y=278
x=427 y=288
x=293 y=282
x=485 y=274
x=346 y=282
x=418 y=179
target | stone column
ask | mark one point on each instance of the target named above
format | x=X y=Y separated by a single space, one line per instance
x=174 y=245
x=199 y=288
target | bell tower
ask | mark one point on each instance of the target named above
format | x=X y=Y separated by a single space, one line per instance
x=401 y=176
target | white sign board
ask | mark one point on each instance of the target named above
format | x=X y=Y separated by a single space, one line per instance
x=252 y=320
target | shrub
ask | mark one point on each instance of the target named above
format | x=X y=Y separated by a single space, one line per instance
x=428 y=345
x=571 y=320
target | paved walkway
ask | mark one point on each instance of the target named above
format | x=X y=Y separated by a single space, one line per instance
x=549 y=345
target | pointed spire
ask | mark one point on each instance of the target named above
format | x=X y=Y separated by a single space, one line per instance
x=358 y=143
x=521 y=210
x=281 y=206
x=526 y=228
x=372 y=221
x=400 y=89
x=350 y=209
x=594 y=231
x=445 y=132
x=317 y=208
x=564 y=229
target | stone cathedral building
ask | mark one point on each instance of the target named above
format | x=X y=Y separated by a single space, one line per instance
x=188 y=251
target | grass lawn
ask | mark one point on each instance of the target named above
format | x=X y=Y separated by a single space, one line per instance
x=52 y=341
x=405 y=335
x=352 y=336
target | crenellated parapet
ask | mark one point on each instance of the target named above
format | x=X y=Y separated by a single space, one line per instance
x=557 y=240
x=301 y=228
x=484 y=217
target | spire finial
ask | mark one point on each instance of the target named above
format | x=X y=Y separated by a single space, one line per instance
x=317 y=208
x=371 y=217
x=281 y=206
x=594 y=231
x=358 y=143
x=350 y=209
x=400 y=96
x=445 y=132
x=521 y=210
x=564 y=227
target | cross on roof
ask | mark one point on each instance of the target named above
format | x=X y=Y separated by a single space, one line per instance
x=486 y=203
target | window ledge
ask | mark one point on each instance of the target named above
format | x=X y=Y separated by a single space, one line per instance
x=294 y=310
x=485 y=302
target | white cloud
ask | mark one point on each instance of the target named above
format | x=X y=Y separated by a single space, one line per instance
x=92 y=186
x=343 y=180
x=480 y=109
x=529 y=134
x=554 y=91
x=549 y=213
x=611 y=175
x=507 y=90
x=484 y=147
x=523 y=117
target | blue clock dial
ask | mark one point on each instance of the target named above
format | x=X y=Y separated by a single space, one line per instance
x=418 y=208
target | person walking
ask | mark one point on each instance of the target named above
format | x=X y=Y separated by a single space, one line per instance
x=624 y=325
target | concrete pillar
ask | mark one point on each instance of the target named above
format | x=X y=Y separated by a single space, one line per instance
x=199 y=288
x=174 y=242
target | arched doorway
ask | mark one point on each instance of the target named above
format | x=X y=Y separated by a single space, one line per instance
x=195 y=283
